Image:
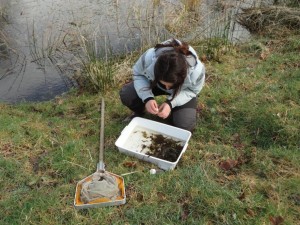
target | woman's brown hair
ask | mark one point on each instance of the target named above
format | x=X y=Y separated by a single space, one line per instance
x=171 y=66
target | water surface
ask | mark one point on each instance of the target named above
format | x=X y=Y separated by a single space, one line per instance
x=39 y=62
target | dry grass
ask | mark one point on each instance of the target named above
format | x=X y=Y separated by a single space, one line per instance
x=270 y=19
x=182 y=22
x=123 y=71
x=184 y=19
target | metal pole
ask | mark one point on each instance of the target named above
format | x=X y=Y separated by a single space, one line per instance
x=101 y=148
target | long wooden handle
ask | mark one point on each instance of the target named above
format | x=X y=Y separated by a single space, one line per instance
x=101 y=149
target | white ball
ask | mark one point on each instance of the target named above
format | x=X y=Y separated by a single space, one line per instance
x=153 y=171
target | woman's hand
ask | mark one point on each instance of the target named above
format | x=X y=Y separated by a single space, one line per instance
x=152 y=107
x=164 y=110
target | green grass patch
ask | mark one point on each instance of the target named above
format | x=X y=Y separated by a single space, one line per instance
x=248 y=115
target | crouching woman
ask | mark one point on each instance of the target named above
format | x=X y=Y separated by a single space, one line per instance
x=171 y=68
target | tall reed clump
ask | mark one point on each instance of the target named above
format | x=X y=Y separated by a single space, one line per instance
x=98 y=63
x=3 y=39
x=184 y=18
x=44 y=48
x=215 y=33
x=155 y=22
x=99 y=75
x=194 y=20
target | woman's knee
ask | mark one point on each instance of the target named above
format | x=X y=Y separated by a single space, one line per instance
x=127 y=94
x=185 y=119
x=130 y=98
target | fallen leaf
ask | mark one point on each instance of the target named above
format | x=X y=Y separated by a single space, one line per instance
x=228 y=164
x=276 y=220
x=203 y=58
x=184 y=215
x=230 y=177
x=129 y=164
x=161 y=196
x=140 y=197
x=242 y=196
x=250 y=212
x=7 y=149
x=224 y=101
x=185 y=211
x=263 y=56
x=200 y=107
x=238 y=145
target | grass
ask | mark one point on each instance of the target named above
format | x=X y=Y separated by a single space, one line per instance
x=241 y=166
x=248 y=113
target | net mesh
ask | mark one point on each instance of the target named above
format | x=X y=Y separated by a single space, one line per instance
x=102 y=185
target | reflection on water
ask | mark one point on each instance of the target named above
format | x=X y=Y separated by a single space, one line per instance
x=40 y=33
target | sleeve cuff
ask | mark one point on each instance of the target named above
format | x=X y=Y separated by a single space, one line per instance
x=148 y=99
x=169 y=103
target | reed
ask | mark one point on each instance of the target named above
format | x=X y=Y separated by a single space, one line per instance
x=100 y=75
x=3 y=13
x=154 y=22
x=44 y=46
x=3 y=39
x=270 y=19
x=5 y=47
x=94 y=59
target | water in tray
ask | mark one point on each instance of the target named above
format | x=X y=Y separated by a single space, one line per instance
x=152 y=143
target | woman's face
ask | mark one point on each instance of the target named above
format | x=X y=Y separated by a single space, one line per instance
x=168 y=85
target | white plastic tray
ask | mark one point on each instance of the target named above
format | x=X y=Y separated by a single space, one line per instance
x=132 y=141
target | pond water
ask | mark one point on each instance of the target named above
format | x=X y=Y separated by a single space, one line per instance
x=36 y=62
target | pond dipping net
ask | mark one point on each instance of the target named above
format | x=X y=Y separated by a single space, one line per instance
x=102 y=185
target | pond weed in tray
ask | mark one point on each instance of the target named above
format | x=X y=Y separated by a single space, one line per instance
x=154 y=144
x=157 y=143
